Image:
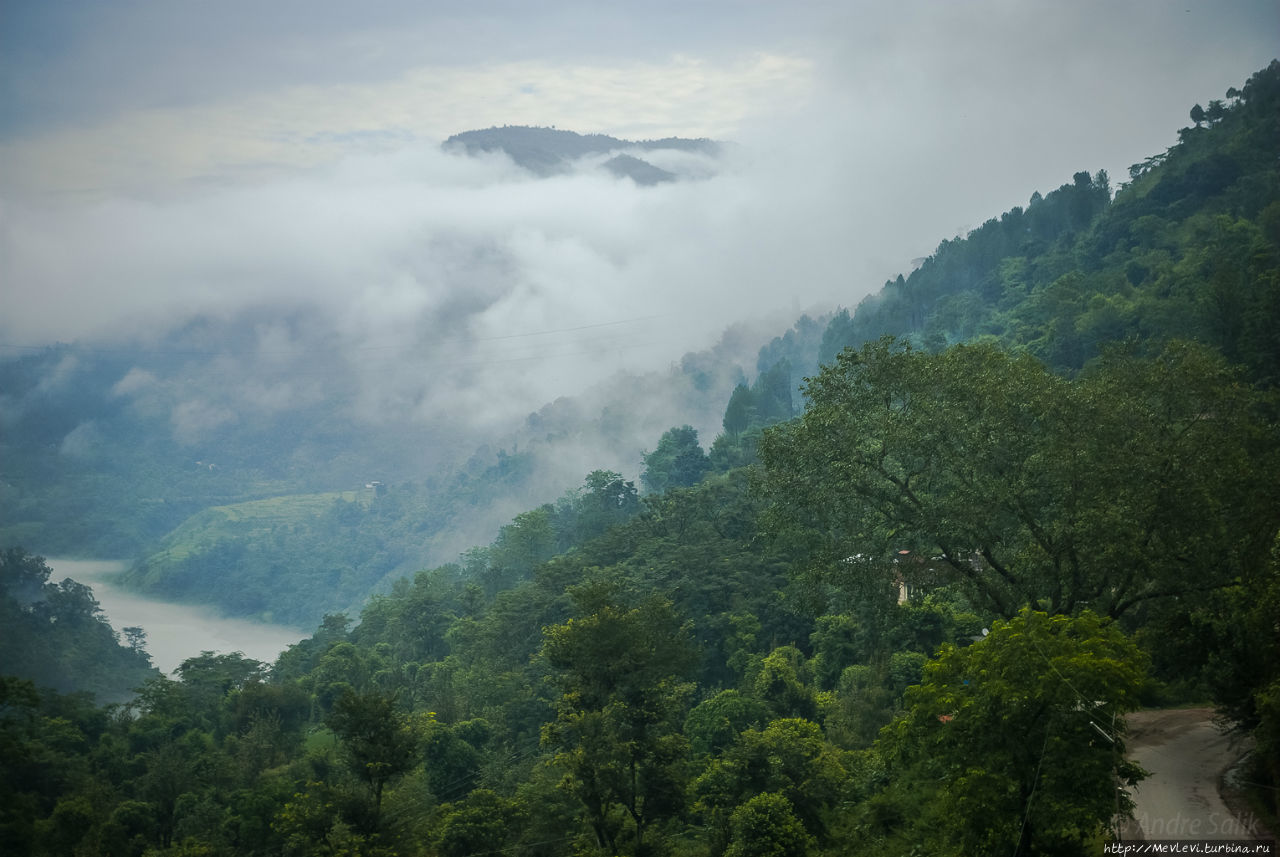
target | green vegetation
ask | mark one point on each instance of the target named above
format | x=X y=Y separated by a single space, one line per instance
x=994 y=725
x=253 y=518
x=55 y=634
x=296 y=557
x=1139 y=480
x=1187 y=250
x=910 y=620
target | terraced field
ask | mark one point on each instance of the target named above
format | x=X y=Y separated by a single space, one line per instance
x=220 y=525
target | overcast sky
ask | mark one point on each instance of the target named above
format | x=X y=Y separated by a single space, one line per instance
x=166 y=158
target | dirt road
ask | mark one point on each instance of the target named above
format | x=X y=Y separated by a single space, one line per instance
x=1186 y=756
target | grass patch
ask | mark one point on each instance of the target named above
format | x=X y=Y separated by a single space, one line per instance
x=219 y=524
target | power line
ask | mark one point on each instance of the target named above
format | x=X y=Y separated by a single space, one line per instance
x=1035 y=782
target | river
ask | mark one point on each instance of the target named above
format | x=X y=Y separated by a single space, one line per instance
x=175 y=632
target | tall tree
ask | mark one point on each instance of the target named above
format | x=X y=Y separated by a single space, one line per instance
x=604 y=500
x=1139 y=480
x=1014 y=745
x=617 y=732
x=790 y=758
x=678 y=461
x=740 y=411
x=766 y=826
x=379 y=742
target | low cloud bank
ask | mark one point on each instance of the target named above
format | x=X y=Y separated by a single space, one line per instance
x=425 y=283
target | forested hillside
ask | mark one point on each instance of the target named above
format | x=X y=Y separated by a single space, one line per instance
x=900 y=607
x=53 y=632
x=1186 y=250
x=156 y=455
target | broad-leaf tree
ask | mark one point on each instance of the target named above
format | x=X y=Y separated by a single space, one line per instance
x=766 y=826
x=617 y=734
x=678 y=461
x=789 y=758
x=1139 y=479
x=1014 y=745
x=378 y=740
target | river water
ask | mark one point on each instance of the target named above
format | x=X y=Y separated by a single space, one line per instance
x=175 y=632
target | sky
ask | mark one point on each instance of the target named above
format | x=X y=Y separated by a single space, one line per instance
x=167 y=160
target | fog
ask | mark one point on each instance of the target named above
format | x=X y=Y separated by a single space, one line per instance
x=267 y=192
x=174 y=632
x=451 y=293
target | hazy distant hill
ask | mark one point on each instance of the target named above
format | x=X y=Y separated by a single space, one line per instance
x=639 y=171
x=548 y=151
x=122 y=453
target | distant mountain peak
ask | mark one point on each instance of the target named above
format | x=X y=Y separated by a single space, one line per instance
x=550 y=151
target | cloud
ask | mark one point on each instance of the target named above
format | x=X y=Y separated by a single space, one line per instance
x=195 y=419
x=284 y=181
x=247 y=209
x=429 y=282
x=82 y=442
x=157 y=150
x=58 y=376
x=134 y=382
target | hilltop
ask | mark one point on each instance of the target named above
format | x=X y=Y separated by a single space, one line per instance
x=549 y=151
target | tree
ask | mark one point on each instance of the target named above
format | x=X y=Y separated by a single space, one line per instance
x=1197 y=115
x=521 y=546
x=1139 y=480
x=484 y=823
x=790 y=758
x=740 y=411
x=715 y=724
x=782 y=683
x=678 y=461
x=33 y=751
x=606 y=499
x=56 y=634
x=765 y=826
x=208 y=679
x=453 y=761
x=174 y=770
x=136 y=637
x=617 y=730
x=1014 y=745
x=771 y=394
x=378 y=741
x=23 y=576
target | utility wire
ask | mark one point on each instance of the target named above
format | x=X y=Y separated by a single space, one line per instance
x=1034 y=783
x=1086 y=705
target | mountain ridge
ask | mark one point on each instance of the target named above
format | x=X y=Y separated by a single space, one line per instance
x=547 y=151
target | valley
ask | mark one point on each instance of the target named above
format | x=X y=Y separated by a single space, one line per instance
x=174 y=632
x=480 y=499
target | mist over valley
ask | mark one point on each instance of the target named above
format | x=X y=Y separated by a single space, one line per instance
x=699 y=431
